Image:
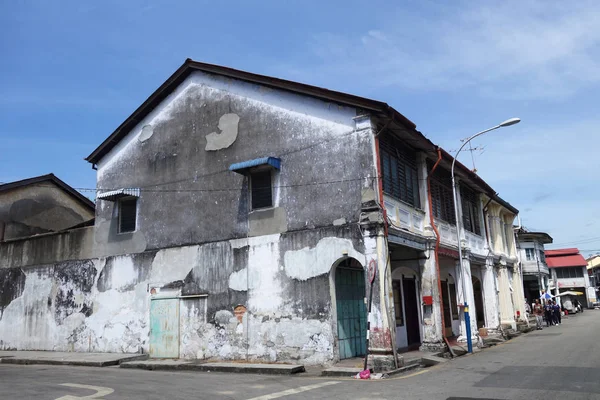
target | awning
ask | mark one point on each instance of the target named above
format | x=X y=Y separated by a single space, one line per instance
x=244 y=166
x=115 y=195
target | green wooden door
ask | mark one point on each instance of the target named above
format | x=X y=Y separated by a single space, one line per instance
x=351 y=311
x=164 y=328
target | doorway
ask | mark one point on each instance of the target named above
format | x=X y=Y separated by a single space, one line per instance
x=413 y=333
x=164 y=328
x=351 y=309
x=478 y=295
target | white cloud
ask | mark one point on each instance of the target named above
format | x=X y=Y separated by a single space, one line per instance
x=505 y=49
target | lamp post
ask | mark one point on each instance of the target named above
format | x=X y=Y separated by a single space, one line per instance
x=508 y=122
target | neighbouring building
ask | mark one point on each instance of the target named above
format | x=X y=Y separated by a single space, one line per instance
x=39 y=205
x=242 y=217
x=533 y=262
x=593 y=268
x=568 y=271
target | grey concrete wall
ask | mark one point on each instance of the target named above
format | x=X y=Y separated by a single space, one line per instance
x=179 y=155
x=76 y=244
x=39 y=208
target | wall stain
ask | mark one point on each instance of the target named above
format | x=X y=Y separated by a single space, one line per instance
x=12 y=284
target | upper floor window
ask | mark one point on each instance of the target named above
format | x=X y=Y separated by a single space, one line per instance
x=399 y=170
x=127 y=214
x=470 y=210
x=542 y=256
x=442 y=199
x=261 y=188
x=530 y=254
x=569 y=272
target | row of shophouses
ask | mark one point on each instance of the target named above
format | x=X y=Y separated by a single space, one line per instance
x=244 y=217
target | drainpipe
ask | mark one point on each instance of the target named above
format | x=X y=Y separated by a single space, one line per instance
x=437 y=248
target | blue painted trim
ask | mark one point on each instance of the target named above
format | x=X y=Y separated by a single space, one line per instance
x=241 y=167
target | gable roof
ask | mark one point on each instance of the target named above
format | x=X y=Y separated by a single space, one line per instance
x=564 y=258
x=376 y=106
x=53 y=179
x=190 y=66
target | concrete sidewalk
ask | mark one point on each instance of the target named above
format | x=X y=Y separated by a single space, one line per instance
x=67 y=358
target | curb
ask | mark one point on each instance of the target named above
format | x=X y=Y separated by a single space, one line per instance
x=262 y=370
x=35 y=361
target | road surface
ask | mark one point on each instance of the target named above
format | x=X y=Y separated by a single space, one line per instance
x=560 y=362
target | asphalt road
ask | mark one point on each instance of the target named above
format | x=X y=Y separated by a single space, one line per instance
x=560 y=362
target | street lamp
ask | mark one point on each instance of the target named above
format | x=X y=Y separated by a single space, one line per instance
x=508 y=122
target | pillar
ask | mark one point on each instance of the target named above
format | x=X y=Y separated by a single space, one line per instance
x=381 y=337
x=504 y=297
x=518 y=293
x=465 y=291
x=433 y=331
x=490 y=296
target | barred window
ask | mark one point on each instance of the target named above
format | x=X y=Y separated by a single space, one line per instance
x=399 y=170
x=470 y=210
x=442 y=199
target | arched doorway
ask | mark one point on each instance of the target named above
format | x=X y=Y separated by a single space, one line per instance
x=478 y=295
x=351 y=308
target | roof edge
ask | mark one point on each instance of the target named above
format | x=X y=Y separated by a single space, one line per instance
x=54 y=179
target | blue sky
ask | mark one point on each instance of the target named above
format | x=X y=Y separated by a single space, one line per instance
x=72 y=71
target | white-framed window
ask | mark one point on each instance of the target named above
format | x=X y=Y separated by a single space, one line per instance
x=261 y=188
x=127 y=209
x=530 y=254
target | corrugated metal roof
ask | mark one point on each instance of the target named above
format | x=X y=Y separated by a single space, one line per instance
x=241 y=167
x=117 y=194
x=564 y=258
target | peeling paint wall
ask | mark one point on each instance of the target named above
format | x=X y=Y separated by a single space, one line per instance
x=264 y=298
x=183 y=149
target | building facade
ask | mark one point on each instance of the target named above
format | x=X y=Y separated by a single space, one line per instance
x=243 y=217
x=568 y=271
x=593 y=269
x=533 y=262
x=41 y=205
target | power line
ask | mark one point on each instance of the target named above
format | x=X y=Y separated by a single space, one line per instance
x=582 y=241
x=146 y=189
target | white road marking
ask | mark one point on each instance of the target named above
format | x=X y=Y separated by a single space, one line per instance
x=100 y=391
x=294 y=391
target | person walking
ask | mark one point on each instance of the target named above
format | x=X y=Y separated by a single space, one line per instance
x=555 y=313
x=538 y=311
x=558 y=309
x=548 y=313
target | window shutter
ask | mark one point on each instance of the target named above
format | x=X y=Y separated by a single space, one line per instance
x=262 y=194
x=399 y=170
x=127 y=215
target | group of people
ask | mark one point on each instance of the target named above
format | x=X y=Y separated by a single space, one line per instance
x=550 y=311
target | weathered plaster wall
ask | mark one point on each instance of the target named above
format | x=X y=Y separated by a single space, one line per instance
x=39 y=208
x=75 y=244
x=180 y=153
x=267 y=298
